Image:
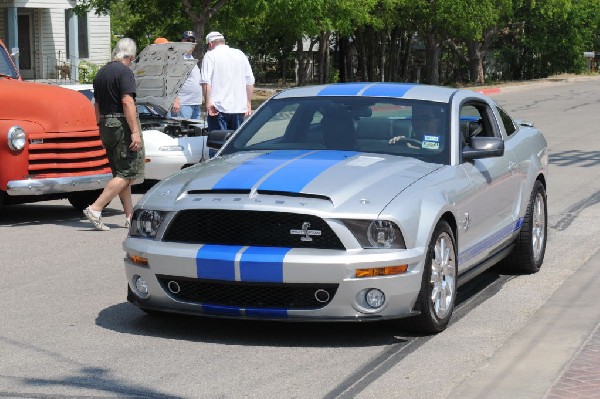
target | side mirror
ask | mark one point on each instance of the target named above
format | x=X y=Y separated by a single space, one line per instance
x=483 y=147
x=217 y=138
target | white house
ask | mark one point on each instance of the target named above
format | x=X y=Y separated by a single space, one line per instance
x=46 y=37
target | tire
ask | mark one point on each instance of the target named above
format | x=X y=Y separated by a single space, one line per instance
x=530 y=245
x=80 y=200
x=437 y=297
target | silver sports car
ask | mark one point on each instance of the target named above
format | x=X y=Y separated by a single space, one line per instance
x=359 y=201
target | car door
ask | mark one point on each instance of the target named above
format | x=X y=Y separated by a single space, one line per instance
x=486 y=214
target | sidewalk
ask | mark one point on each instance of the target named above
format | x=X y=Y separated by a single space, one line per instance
x=556 y=355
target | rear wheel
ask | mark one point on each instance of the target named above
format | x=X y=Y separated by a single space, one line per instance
x=530 y=245
x=438 y=288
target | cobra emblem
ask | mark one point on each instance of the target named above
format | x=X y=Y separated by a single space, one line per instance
x=305 y=232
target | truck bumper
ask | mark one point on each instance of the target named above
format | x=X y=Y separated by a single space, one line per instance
x=57 y=185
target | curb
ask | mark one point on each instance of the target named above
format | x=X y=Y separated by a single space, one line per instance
x=487 y=92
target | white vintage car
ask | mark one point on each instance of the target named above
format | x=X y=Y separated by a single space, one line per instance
x=171 y=144
x=359 y=201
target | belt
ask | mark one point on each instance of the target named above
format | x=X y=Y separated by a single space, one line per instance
x=114 y=115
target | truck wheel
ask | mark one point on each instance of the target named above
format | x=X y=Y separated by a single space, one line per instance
x=80 y=200
x=530 y=245
x=438 y=288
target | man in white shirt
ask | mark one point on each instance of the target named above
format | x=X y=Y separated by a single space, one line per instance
x=188 y=100
x=227 y=84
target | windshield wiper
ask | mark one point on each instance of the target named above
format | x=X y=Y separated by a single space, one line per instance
x=3 y=75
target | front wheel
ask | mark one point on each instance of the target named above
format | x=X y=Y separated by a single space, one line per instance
x=438 y=288
x=530 y=245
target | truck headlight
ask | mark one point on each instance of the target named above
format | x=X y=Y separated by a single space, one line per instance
x=145 y=223
x=16 y=138
x=376 y=233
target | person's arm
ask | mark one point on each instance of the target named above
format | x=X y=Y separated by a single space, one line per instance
x=97 y=109
x=176 y=106
x=249 y=93
x=210 y=107
x=130 y=111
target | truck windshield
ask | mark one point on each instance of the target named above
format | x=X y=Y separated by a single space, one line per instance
x=6 y=66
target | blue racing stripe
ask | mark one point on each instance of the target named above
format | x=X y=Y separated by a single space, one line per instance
x=224 y=310
x=264 y=264
x=343 y=89
x=267 y=313
x=246 y=175
x=217 y=262
x=491 y=241
x=388 y=90
x=293 y=177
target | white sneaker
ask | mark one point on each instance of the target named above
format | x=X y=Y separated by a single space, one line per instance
x=95 y=220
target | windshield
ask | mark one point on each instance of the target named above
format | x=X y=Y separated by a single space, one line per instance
x=417 y=129
x=6 y=66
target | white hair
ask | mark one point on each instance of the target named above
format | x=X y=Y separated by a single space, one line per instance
x=125 y=48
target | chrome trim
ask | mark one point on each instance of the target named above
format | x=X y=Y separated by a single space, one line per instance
x=57 y=185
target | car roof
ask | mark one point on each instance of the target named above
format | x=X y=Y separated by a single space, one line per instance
x=371 y=89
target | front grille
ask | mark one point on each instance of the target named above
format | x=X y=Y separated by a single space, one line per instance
x=251 y=228
x=67 y=154
x=250 y=295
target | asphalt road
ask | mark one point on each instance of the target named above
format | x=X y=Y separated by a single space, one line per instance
x=66 y=330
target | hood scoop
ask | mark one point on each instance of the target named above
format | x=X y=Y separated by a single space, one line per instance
x=260 y=192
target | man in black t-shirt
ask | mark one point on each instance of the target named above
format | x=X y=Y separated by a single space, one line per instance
x=120 y=131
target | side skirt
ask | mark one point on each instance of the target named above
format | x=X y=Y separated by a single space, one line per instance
x=479 y=268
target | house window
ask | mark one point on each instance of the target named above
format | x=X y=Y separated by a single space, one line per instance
x=82 y=28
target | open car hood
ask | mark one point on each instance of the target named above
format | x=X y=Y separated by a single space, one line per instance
x=160 y=71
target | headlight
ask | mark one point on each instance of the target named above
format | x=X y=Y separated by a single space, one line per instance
x=376 y=233
x=16 y=138
x=145 y=223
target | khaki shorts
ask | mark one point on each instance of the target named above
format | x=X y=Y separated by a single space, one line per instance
x=116 y=139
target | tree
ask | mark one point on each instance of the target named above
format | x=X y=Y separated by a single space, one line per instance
x=152 y=18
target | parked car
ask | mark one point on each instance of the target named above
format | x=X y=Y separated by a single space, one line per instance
x=50 y=146
x=334 y=202
x=171 y=144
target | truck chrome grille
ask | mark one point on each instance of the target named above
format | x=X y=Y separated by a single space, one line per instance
x=67 y=154
x=251 y=228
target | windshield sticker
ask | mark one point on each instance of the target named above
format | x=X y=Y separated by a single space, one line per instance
x=431 y=138
x=430 y=145
x=364 y=161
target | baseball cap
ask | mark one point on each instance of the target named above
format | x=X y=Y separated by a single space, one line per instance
x=212 y=36
x=160 y=40
x=188 y=34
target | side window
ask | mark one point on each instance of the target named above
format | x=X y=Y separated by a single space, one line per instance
x=475 y=120
x=509 y=124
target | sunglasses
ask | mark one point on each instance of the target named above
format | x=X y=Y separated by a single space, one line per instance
x=189 y=39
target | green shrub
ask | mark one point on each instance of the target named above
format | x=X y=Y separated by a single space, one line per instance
x=87 y=71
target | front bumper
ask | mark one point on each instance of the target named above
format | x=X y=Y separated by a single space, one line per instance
x=299 y=267
x=57 y=185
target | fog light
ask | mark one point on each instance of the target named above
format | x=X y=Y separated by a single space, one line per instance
x=375 y=298
x=140 y=285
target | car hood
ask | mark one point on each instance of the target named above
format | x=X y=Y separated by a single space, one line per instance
x=334 y=182
x=160 y=71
